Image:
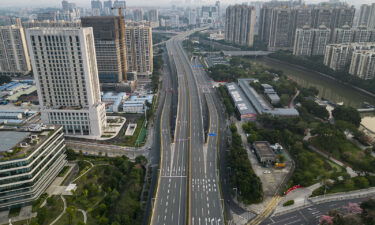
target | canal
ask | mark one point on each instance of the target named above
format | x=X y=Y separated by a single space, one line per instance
x=328 y=89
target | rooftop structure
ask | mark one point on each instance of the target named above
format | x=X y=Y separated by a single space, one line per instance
x=243 y=107
x=260 y=104
x=264 y=152
x=30 y=159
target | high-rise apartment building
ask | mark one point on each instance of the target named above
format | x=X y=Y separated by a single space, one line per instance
x=139 y=50
x=348 y=35
x=192 y=16
x=343 y=35
x=109 y=35
x=278 y=21
x=363 y=64
x=153 y=15
x=14 y=56
x=66 y=75
x=311 y=41
x=303 y=41
x=322 y=36
x=138 y=15
x=281 y=29
x=239 y=24
x=96 y=7
x=107 y=7
x=338 y=56
x=364 y=16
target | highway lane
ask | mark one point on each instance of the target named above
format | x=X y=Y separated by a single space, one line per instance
x=170 y=203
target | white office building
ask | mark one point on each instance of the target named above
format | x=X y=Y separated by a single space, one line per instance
x=66 y=74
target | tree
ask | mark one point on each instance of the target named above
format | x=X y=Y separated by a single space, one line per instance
x=71 y=211
x=5 y=79
x=347 y=113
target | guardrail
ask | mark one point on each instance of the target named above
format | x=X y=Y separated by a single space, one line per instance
x=328 y=198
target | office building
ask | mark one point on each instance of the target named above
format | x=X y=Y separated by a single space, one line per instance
x=139 y=50
x=338 y=56
x=239 y=25
x=14 y=56
x=363 y=64
x=30 y=159
x=66 y=75
x=47 y=23
x=110 y=47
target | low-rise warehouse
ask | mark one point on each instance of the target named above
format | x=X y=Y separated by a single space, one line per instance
x=264 y=152
x=244 y=109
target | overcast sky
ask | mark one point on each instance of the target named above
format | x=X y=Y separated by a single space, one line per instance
x=86 y=3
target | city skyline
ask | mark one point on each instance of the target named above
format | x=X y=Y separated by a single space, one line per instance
x=135 y=3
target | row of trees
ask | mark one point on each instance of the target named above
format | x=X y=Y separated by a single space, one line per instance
x=226 y=100
x=158 y=64
x=248 y=184
x=316 y=64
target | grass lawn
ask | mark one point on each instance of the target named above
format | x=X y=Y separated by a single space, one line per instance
x=64 y=171
x=349 y=153
x=130 y=140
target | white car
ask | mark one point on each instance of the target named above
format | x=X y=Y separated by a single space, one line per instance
x=266 y=172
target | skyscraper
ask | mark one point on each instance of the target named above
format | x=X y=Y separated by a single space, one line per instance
x=139 y=50
x=239 y=24
x=109 y=34
x=65 y=71
x=14 y=56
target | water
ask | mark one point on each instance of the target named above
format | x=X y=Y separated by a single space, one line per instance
x=328 y=89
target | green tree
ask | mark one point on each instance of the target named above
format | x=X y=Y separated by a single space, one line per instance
x=71 y=211
x=347 y=113
x=5 y=79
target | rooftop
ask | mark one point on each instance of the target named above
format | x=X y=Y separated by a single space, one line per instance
x=19 y=142
x=264 y=149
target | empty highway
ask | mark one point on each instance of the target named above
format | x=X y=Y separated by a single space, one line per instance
x=188 y=191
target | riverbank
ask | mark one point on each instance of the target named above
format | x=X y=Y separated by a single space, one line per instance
x=324 y=75
x=329 y=88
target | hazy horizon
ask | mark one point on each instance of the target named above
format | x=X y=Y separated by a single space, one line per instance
x=131 y=3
